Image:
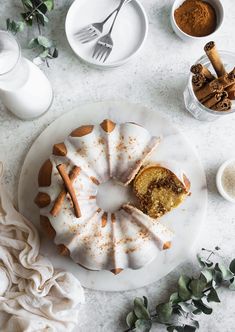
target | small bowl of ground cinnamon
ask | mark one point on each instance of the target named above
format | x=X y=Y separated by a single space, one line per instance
x=196 y=19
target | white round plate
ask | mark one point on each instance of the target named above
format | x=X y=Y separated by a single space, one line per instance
x=185 y=220
x=129 y=32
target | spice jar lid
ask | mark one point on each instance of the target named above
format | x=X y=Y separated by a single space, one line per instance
x=225 y=180
x=219 y=10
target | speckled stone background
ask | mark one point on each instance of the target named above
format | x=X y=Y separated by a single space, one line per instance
x=155 y=78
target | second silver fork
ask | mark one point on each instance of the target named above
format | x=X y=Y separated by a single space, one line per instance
x=104 y=45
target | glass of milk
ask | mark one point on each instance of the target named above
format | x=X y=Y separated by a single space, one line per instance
x=24 y=89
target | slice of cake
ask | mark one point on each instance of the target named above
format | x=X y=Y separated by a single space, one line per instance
x=160 y=188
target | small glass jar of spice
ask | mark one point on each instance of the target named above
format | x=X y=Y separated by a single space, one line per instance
x=210 y=92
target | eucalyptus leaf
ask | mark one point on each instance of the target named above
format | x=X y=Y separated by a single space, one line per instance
x=145 y=302
x=217 y=277
x=194 y=322
x=226 y=273
x=197 y=286
x=27 y=3
x=139 y=309
x=200 y=261
x=179 y=328
x=207 y=274
x=55 y=53
x=42 y=9
x=174 y=298
x=203 y=307
x=189 y=328
x=131 y=319
x=44 y=54
x=164 y=312
x=49 y=4
x=232 y=266
x=209 y=263
x=14 y=26
x=186 y=307
x=21 y=26
x=33 y=43
x=142 y=325
x=197 y=311
x=232 y=284
x=45 y=42
x=213 y=296
x=170 y=328
x=42 y=17
x=183 y=290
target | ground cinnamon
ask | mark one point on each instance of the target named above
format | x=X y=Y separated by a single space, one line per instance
x=196 y=18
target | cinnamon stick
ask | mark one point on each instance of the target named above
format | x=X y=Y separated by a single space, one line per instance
x=68 y=185
x=223 y=105
x=231 y=92
x=198 y=80
x=200 y=69
x=203 y=100
x=227 y=79
x=212 y=87
x=231 y=75
x=214 y=57
x=61 y=197
x=213 y=100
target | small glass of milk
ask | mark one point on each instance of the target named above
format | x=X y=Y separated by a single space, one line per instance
x=225 y=180
x=24 y=88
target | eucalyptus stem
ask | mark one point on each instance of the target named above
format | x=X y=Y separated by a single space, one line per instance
x=187 y=301
x=32 y=15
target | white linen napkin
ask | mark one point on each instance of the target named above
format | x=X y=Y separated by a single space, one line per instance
x=33 y=296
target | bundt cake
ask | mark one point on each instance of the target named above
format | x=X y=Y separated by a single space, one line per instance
x=160 y=188
x=68 y=183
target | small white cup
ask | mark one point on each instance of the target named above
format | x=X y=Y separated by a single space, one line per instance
x=219 y=184
x=219 y=10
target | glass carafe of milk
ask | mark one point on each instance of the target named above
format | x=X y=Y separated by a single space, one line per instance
x=24 y=89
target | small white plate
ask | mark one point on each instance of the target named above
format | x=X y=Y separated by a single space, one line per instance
x=129 y=33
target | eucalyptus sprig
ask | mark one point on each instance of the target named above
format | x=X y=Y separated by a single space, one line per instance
x=35 y=12
x=191 y=298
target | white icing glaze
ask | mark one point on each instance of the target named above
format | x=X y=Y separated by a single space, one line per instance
x=99 y=240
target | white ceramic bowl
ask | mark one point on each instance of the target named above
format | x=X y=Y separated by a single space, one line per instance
x=219 y=184
x=216 y=4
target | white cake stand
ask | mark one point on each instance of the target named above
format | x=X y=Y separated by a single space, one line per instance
x=185 y=221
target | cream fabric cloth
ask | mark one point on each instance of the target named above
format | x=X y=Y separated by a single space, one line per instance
x=33 y=296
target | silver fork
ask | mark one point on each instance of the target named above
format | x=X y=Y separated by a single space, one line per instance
x=104 y=45
x=94 y=30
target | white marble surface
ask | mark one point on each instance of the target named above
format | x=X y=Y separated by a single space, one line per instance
x=156 y=78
